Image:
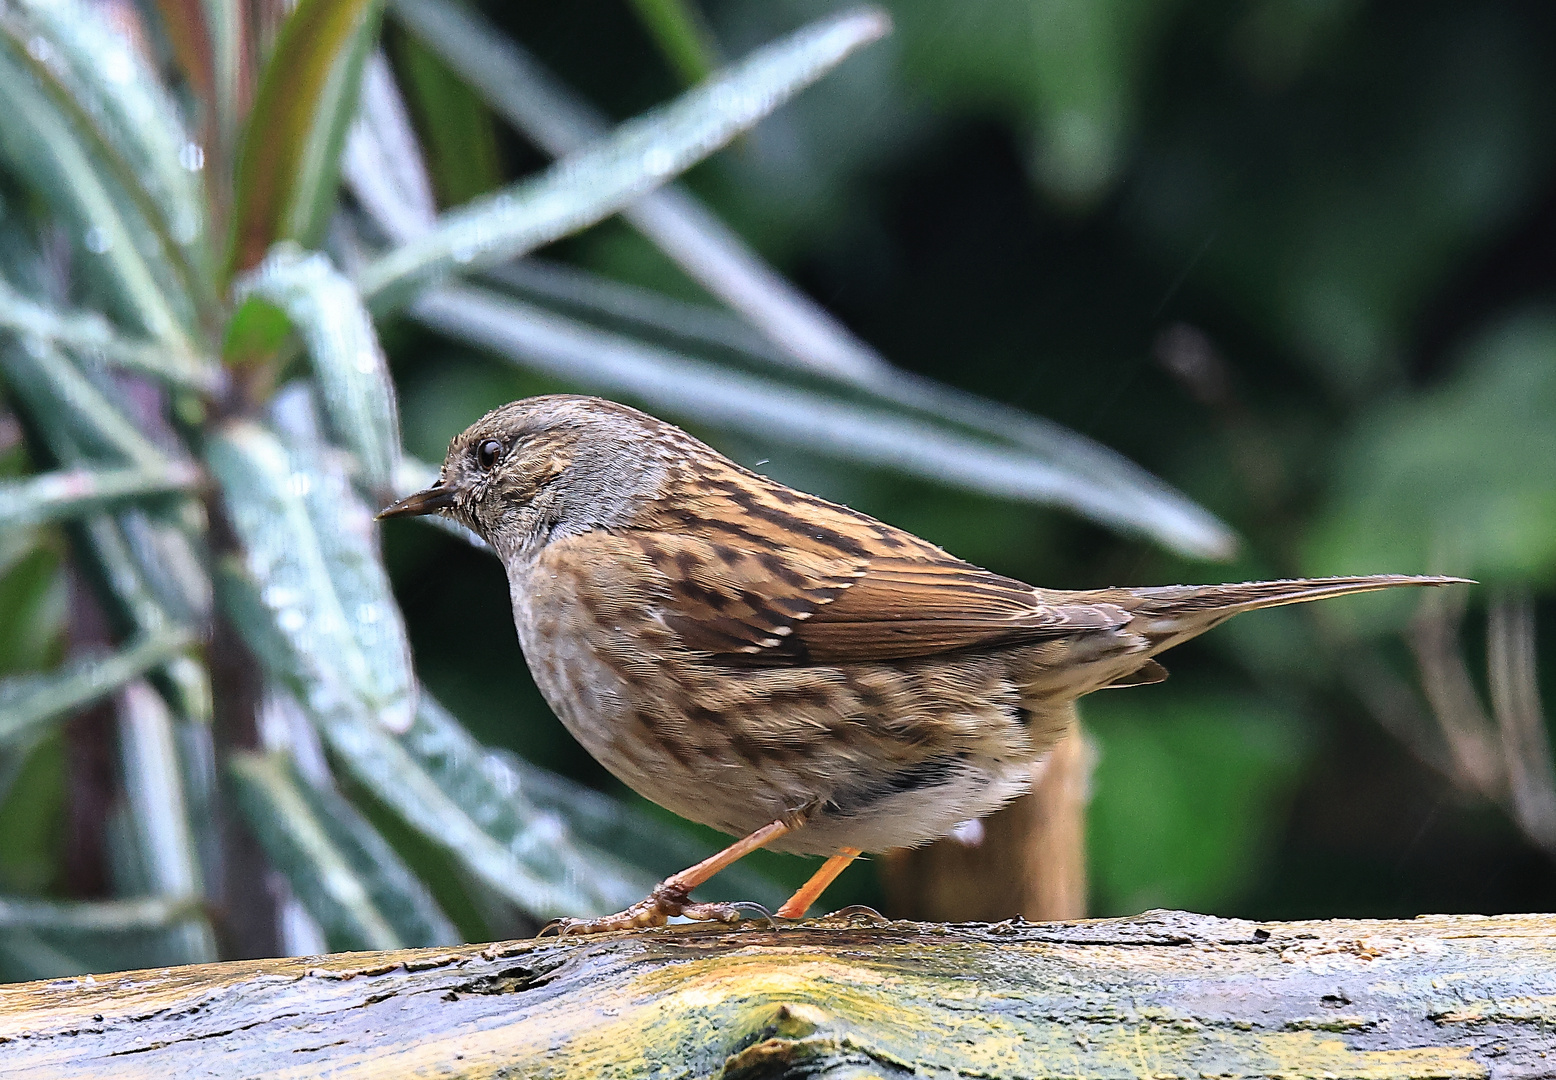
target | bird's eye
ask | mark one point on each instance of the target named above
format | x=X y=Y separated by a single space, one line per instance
x=486 y=454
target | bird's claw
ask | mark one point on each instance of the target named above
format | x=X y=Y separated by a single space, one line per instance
x=656 y=909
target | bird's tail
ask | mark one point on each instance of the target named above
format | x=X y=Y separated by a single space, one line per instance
x=1172 y=613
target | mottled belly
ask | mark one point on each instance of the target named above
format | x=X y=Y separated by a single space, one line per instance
x=869 y=756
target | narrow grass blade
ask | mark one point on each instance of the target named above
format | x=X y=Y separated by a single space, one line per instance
x=135 y=118
x=94 y=339
x=638 y=157
x=227 y=32
x=308 y=541
x=348 y=542
x=270 y=796
x=122 y=556
x=158 y=813
x=347 y=361
x=50 y=147
x=289 y=164
x=709 y=394
x=382 y=764
x=74 y=493
x=29 y=700
x=458 y=132
x=97 y=916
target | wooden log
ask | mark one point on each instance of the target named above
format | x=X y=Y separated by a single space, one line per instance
x=1160 y=996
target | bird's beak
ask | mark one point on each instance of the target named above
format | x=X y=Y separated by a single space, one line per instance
x=430 y=501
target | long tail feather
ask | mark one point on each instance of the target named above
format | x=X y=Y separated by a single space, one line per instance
x=1251 y=595
x=1170 y=614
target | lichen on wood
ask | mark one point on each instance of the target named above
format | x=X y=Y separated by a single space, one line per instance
x=1162 y=995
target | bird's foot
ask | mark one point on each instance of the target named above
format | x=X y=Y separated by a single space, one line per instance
x=667 y=901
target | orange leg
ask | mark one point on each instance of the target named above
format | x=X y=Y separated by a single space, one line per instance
x=672 y=896
x=797 y=905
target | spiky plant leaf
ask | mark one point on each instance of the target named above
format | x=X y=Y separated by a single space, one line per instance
x=158 y=814
x=635 y=159
x=798 y=333
x=308 y=542
x=134 y=118
x=97 y=916
x=46 y=141
x=271 y=796
x=73 y=493
x=353 y=375
x=521 y=804
x=30 y=700
x=92 y=338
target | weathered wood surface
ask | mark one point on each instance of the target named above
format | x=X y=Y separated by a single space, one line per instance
x=1162 y=995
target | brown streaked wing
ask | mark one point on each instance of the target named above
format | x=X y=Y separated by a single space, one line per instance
x=903 y=608
x=793 y=607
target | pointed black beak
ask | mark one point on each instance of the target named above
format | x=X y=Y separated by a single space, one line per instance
x=429 y=501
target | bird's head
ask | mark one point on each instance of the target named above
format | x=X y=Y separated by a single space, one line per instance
x=546 y=467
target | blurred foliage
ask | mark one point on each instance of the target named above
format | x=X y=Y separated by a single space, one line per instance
x=1293 y=257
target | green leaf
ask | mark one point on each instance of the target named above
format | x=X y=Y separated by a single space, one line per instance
x=75 y=493
x=90 y=336
x=32 y=601
x=72 y=413
x=543 y=880
x=229 y=41
x=309 y=542
x=29 y=700
x=406 y=903
x=497 y=795
x=635 y=159
x=147 y=571
x=644 y=312
x=350 y=366
x=383 y=159
x=682 y=34
x=1087 y=58
x=255 y=333
x=137 y=122
x=51 y=145
x=289 y=163
x=271 y=797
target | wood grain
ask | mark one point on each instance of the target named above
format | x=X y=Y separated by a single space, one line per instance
x=1162 y=995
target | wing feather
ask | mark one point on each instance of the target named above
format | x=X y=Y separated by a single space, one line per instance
x=828 y=608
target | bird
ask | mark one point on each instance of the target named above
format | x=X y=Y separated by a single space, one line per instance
x=782 y=668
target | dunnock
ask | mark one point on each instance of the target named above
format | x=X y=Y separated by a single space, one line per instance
x=776 y=666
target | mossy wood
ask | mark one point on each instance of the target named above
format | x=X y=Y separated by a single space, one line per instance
x=1162 y=995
